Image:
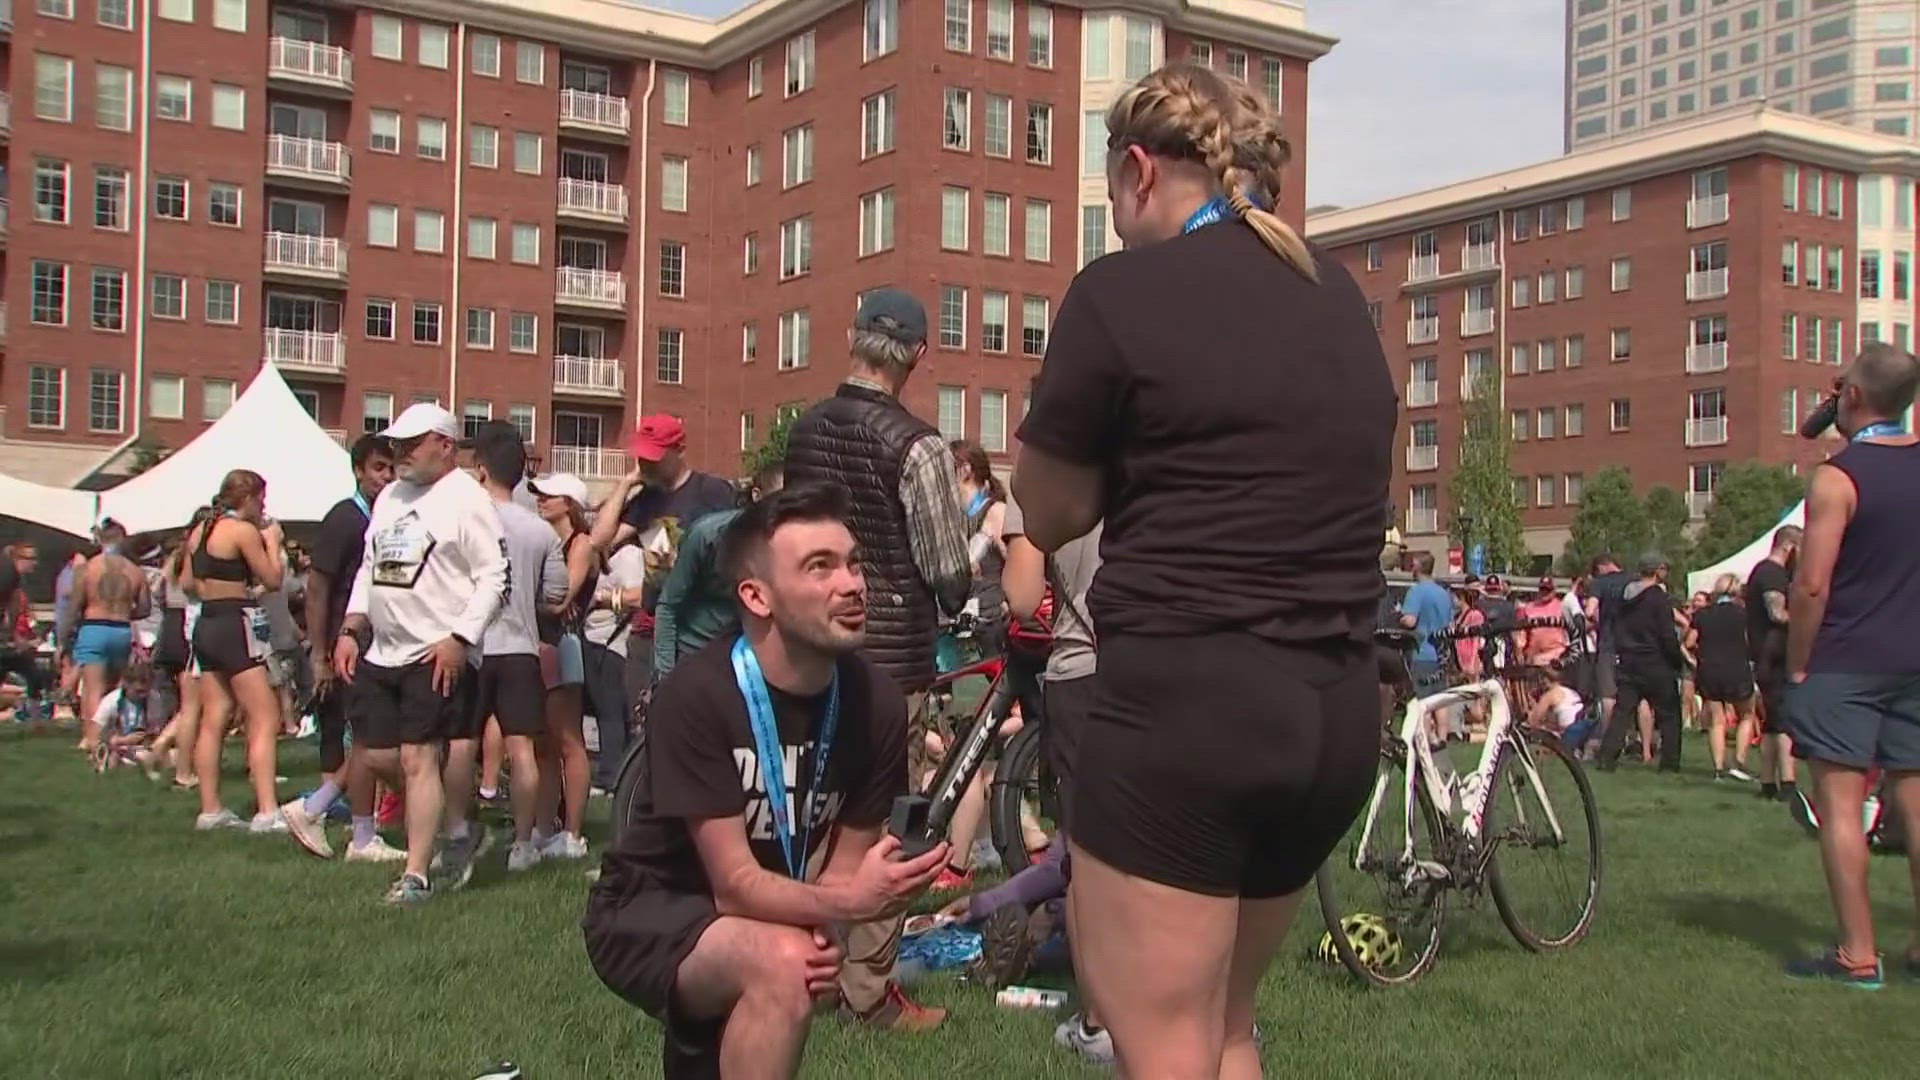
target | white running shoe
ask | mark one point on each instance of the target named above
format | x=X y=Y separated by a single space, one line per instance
x=1096 y=1045
x=1740 y=774
x=523 y=855
x=268 y=823
x=563 y=845
x=307 y=832
x=224 y=819
x=376 y=850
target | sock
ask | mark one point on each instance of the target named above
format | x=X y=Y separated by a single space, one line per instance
x=322 y=797
x=489 y=794
x=1857 y=967
x=363 y=832
x=457 y=830
x=1769 y=789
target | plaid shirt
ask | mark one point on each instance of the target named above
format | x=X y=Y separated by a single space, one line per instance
x=936 y=527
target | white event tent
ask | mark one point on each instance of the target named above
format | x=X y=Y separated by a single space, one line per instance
x=64 y=509
x=265 y=430
x=1742 y=562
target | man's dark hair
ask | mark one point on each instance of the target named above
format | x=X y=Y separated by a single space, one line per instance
x=366 y=446
x=1788 y=534
x=746 y=537
x=502 y=454
x=1600 y=562
x=1887 y=378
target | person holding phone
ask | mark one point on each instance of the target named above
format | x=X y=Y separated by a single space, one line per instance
x=773 y=758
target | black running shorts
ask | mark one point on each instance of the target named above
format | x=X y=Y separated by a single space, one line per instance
x=1225 y=764
x=1067 y=703
x=399 y=706
x=636 y=947
x=512 y=692
x=230 y=637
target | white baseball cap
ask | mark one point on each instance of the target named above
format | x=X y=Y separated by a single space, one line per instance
x=423 y=418
x=560 y=484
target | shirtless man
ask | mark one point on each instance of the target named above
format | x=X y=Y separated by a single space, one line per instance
x=108 y=594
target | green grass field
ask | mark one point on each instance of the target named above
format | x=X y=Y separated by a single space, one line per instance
x=131 y=947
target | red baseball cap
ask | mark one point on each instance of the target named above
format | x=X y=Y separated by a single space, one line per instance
x=656 y=435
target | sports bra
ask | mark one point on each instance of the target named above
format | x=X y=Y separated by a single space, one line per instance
x=209 y=567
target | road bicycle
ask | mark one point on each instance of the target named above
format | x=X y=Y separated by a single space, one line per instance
x=1475 y=831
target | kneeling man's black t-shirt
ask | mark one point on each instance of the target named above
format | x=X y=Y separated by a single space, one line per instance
x=703 y=764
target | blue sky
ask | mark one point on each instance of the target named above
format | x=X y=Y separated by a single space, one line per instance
x=1418 y=93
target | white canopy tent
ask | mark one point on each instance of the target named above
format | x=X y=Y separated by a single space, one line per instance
x=266 y=430
x=64 y=509
x=1742 y=562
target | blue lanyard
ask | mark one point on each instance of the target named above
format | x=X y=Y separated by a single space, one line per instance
x=360 y=501
x=979 y=500
x=1879 y=429
x=766 y=745
x=1213 y=210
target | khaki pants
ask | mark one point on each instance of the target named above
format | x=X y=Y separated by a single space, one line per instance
x=872 y=947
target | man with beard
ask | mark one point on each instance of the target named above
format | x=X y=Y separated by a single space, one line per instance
x=1767 y=588
x=716 y=913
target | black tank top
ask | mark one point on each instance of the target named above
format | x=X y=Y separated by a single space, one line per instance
x=209 y=567
x=1868 y=628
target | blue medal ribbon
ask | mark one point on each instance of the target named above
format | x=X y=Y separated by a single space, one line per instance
x=773 y=768
x=1212 y=211
x=359 y=500
x=979 y=500
x=1879 y=429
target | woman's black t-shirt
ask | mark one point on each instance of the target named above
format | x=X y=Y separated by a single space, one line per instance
x=702 y=764
x=1244 y=417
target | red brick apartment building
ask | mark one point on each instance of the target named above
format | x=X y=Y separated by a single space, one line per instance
x=565 y=213
x=1670 y=304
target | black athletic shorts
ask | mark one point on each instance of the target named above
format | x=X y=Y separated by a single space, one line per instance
x=171 y=652
x=1068 y=701
x=331 y=711
x=1772 y=684
x=636 y=947
x=1226 y=764
x=230 y=636
x=1724 y=688
x=512 y=692
x=399 y=706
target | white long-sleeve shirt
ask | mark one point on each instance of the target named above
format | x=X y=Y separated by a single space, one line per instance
x=538 y=572
x=435 y=566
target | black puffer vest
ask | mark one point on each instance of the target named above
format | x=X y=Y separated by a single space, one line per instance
x=859 y=438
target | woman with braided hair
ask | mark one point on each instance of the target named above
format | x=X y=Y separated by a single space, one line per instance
x=1216 y=395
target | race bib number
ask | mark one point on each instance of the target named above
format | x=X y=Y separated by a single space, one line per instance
x=400 y=552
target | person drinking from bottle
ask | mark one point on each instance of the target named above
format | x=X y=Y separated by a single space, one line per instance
x=773 y=759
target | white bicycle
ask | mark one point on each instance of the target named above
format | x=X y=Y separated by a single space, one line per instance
x=1476 y=829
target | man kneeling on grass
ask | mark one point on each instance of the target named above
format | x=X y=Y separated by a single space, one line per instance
x=718 y=910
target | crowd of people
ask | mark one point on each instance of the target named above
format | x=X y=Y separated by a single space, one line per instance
x=1214 y=608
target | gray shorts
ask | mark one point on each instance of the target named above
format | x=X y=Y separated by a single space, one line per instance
x=1603 y=674
x=1856 y=720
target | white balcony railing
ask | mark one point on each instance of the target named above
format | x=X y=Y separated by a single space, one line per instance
x=6 y=16
x=1423 y=458
x=1711 y=431
x=306 y=350
x=602 y=112
x=1479 y=257
x=588 y=375
x=1423 y=393
x=1476 y=321
x=309 y=61
x=302 y=254
x=5 y=215
x=593 y=198
x=1470 y=386
x=1423 y=522
x=6 y=111
x=3 y=320
x=1702 y=359
x=1423 y=267
x=339 y=436
x=1711 y=210
x=589 y=462
x=314 y=159
x=1707 y=284
x=1422 y=331
x=597 y=288
x=1698 y=502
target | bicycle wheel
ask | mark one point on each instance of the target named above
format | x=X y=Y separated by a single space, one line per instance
x=1383 y=915
x=1021 y=784
x=626 y=791
x=1546 y=887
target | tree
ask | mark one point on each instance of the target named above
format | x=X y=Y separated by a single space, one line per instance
x=1749 y=500
x=1481 y=488
x=1611 y=520
x=772 y=449
x=144 y=454
x=1667 y=517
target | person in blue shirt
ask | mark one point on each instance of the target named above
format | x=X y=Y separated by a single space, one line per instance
x=1427 y=610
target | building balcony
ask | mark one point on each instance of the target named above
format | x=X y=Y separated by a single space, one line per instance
x=1698 y=503
x=1423 y=331
x=1476 y=322
x=1470 y=385
x=307 y=257
x=5 y=218
x=339 y=436
x=1707 y=284
x=6 y=16
x=1423 y=267
x=315 y=161
x=1475 y=257
x=6 y=114
x=589 y=376
x=1711 y=431
x=307 y=352
x=594 y=114
x=1423 y=458
x=1708 y=211
x=589 y=462
x=1423 y=522
x=310 y=64
x=1423 y=393
x=1702 y=359
x=3 y=321
x=604 y=290
x=593 y=200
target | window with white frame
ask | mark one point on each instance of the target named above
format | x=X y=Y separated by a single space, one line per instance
x=993 y=321
x=993 y=421
x=386 y=37
x=876 y=124
x=1547 y=289
x=800 y=63
x=1546 y=354
x=996 y=226
x=953 y=218
x=953 y=317
x=673 y=184
x=482 y=233
x=429 y=231
x=951 y=411
x=223 y=302
x=523 y=420
x=46 y=396
x=1546 y=422
x=956 y=114
x=796 y=247
x=1033 y=326
x=746 y=431
x=483 y=146
x=750 y=253
x=474 y=416
x=1139 y=47
x=112 y=97
x=167 y=397
x=959 y=25
x=383 y=131
x=1039 y=230
x=1522 y=292
x=999 y=29
x=479 y=328
x=216 y=397
x=52 y=88
x=876 y=221
x=673 y=268
x=756 y=77
x=796 y=328
x=749 y=342
x=109 y=299
x=882 y=28
x=1622 y=274
x=383 y=225
x=1039 y=35
x=796 y=155
x=379 y=319
x=170 y=198
x=999 y=126
x=526 y=152
x=118 y=14
x=484 y=52
x=1039 y=133
x=1622 y=203
x=431 y=46
x=50 y=191
x=229 y=107
x=169 y=296
x=1575 y=421
x=430 y=138
x=676 y=91
x=1622 y=339
x=669 y=356
x=1237 y=64
x=1576 y=282
x=523 y=330
x=104 y=405
x=1272 y=77
x=172 y=97
x=530 y=63
x=1093 y=233
x=1521 y=360
x=426 y=323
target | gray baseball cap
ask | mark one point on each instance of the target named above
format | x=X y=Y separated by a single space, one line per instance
x=894 y=313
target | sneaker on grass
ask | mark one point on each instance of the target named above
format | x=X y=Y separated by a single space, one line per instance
x=308 y=832
x=376 y=850
x=223 y=819
x=1094 y=1044
x=267 y=823
x=1826 y=966
x=409 y=890
x=523 y=855
x=563 y=845
x=1740 y=774
x=457 y=856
